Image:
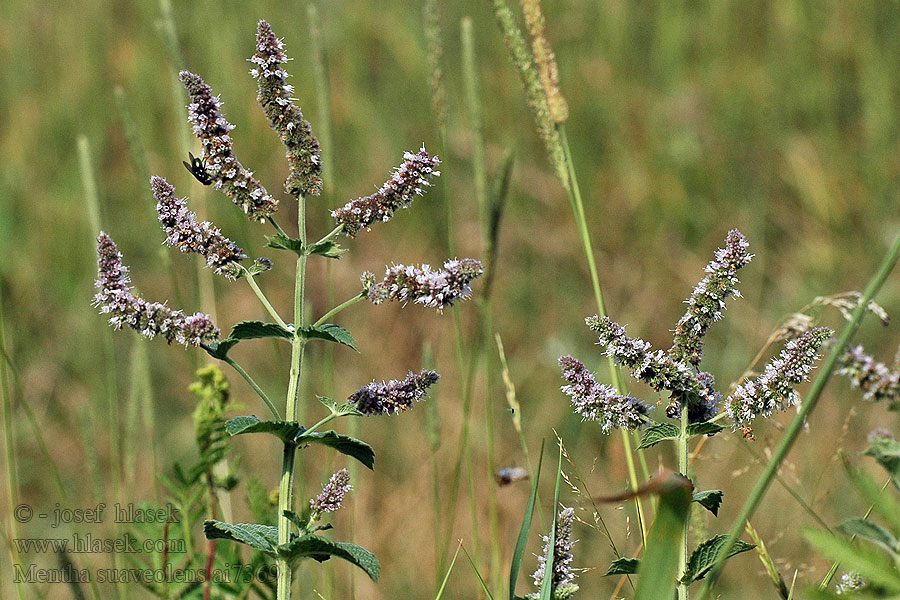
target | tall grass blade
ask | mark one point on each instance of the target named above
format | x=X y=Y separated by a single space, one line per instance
x=440 y=592
x=484 y=586
x=546 y=592
x=659 y=565
x=109 y=413
x=519 y=553
x=12 y=479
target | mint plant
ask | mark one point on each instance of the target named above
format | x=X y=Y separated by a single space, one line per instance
x=298 y=533
x=693 y=400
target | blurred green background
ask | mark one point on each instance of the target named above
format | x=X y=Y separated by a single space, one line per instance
x=688 y=118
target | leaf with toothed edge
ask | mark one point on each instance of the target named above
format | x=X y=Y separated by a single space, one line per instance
x=321 y=549
x=251 y=330
x=286 y=431
x=344 y=444
x=705 y=428
x=283 y=242
x=623 y=566
x=704 y=556
x=261 y=537
x=710 y=500
x=328 y=249
x=330 y=333
x=658 y=433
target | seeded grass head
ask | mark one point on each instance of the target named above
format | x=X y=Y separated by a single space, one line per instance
x=296 y=536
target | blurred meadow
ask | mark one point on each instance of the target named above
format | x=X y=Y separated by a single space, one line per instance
x=687 y=119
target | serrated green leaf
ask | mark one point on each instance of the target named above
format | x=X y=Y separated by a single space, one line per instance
x=286 y=431
x=704 y=556
x=873 y=532
x=658 y=433
x=705 y=428
x=344 y=444
x=874 y=567
x=251 y=330
x=886 y=451
x=321 y=549
x=220 y=348
x=623 y=566
x=710 y=500
x=283 y=242
x=342 y=410
x=296 y=519
x=328 y=249
x=261 y=537
x=258 y=266
x=330 y=333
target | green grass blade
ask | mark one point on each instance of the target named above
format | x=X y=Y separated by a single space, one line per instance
x=484 y=586
x=519 y=552
x=874 y=567
x=440 y=591
x=656 y=575
x=547 y=583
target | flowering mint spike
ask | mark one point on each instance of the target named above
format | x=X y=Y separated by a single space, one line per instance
x=394 y=396
x=877 y=381
x=597 y=402
x=332 y=495
x=228 y=175
x=425 y=286
x=775 y=387
x=183 y=230
x=707 y=301
x=654 y=367
x=563 y=576
x=703 y=403
x=407 y=182
x=150 y=319
x=303 y=152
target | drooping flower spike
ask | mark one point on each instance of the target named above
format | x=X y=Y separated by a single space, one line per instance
x=563 y=577
x=774 y=389
x=303 y=152
x=597 y=402
x=188 y=235
x=115 y=298
x=332 y=495
x=226 y=173
x=877 y=381
x=423 y=285
x=707 y=302
x=408 y=181
x=393 y=397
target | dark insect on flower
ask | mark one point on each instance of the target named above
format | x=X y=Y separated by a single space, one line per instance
x=197 y=168
x=508 y=475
